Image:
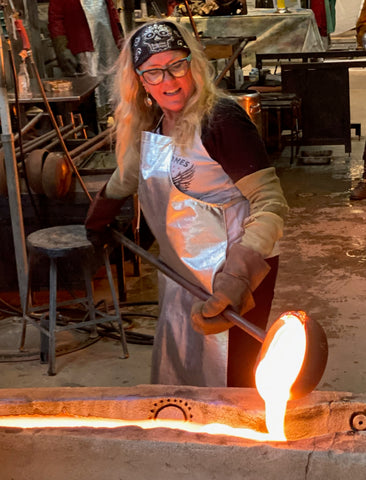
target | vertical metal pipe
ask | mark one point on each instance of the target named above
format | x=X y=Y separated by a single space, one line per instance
x=191 y=19
x=115 y=303
x=52 y=317
x=126 y=8
x=12 y=180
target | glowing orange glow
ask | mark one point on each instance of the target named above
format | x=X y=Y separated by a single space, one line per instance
x=280 y=363
x=52 y=421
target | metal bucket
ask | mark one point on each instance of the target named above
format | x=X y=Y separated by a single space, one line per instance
x=251 y=102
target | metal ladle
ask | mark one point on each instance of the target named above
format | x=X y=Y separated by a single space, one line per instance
x=316 y=354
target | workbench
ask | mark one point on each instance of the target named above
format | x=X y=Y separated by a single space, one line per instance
x=82 y=87
x=321 y=81
x=80 y=97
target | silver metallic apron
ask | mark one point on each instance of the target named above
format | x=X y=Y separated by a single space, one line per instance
x=193 y=238
x=105 y=52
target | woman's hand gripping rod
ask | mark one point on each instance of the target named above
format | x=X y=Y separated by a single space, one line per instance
x=316 y=352
x=229 y=314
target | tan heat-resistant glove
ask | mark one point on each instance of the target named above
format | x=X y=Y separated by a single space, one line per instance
x=243 y=271
x=268 y=209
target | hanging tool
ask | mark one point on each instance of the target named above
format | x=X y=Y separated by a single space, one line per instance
x=316 y=354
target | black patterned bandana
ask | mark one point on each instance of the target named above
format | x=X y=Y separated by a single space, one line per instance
x=155 y=38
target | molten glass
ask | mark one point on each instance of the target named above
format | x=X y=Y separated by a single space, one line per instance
x=55 y=421
x=283 y=360
x=278 y=368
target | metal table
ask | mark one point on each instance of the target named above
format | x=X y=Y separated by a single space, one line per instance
x=295 y=31
x=82 y=87
x=325 y=105
x=63 y=103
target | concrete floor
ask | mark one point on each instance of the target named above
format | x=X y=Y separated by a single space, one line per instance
x=322 y=271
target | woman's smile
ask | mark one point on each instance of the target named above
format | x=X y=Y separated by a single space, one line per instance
x=174 y=92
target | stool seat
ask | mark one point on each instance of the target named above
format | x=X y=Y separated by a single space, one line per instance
x=59 y=241
x=69 y=243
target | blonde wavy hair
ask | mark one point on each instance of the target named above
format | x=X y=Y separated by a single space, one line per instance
x=132 y=116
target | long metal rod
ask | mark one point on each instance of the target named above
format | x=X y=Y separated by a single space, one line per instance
x=84 y=150
x=28 y=126
x=12 y=180
x=191 y=19
x=233 y=57
x=88 y=143
x=85 y=153
x=65 y=136
x=229 y=314
x=66 y=131
x=36 y=142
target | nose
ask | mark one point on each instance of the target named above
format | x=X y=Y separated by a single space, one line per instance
x=167 y=75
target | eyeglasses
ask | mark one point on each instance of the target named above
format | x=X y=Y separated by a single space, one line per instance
x=178 y=69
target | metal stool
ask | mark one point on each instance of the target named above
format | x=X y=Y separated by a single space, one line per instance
x=282 y=102
x=70 y=243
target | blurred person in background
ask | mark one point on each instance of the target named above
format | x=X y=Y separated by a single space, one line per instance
x=87 y=37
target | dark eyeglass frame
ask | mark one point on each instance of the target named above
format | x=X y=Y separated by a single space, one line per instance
x=187 y=59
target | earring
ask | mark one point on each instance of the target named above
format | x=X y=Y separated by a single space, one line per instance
x=147 y=100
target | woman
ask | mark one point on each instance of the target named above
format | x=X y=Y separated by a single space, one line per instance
x=209 y=196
